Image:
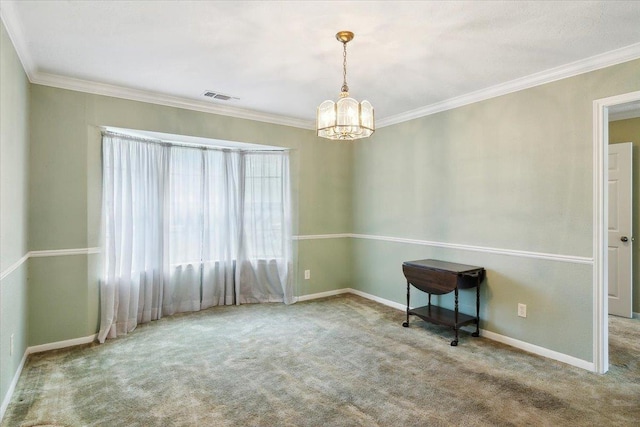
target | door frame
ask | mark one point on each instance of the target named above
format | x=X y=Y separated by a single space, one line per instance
x=600 y=226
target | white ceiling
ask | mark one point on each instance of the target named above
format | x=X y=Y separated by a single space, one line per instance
x=281 y=58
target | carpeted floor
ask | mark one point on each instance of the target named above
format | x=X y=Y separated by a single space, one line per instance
x=340 y=361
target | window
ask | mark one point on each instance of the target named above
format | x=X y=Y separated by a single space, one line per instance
x=190 y=227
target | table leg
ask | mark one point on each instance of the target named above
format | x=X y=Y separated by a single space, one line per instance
x=406 y=324
x=455 y=326
x=477 y=332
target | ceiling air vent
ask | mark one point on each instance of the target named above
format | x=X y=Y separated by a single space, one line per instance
x=220 y=96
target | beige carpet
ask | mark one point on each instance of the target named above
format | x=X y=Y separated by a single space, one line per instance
x=340 y=361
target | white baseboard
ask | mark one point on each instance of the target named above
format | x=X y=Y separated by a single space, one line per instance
x=355 y=292
x=522 y=345
x=323 y=294
x=382 y=301
x=12 y=386
x=61 y=344
x=540 y=351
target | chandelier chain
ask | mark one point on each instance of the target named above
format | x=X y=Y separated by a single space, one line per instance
x=345 y=88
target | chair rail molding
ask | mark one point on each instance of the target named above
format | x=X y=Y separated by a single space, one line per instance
x=575 y=259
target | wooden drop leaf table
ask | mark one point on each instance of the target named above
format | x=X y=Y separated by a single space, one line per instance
x=438 y=278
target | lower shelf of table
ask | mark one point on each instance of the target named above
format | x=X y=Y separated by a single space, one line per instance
x=442 y=316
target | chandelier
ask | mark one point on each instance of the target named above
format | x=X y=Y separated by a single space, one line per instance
x=346 y=119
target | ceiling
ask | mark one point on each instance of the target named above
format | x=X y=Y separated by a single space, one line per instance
x=281 y=59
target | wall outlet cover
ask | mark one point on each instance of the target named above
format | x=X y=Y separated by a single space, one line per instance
x=522 y=310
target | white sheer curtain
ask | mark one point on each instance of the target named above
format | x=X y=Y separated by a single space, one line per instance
x=134 y=274
x=189 y=228
x=222 y=226
x=264 y=259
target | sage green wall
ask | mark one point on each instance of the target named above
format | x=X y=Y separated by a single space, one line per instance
x=14 y=168
x=65 y=197
x=514 y=172
x=330 y=264
x=629 y=131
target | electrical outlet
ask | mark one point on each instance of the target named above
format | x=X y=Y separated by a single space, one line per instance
x=522 y=310
x=11 y=346
x=307 y=274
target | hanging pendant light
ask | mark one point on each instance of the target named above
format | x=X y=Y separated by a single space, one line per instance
x=346 y=119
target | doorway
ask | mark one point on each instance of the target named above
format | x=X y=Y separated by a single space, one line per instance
x=602 y=110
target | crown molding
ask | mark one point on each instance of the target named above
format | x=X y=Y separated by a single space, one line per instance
x=592 y=63
x=9 y=18
x=105 y=89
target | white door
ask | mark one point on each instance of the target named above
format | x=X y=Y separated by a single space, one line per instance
x=620 y=237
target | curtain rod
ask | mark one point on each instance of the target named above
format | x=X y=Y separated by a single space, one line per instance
x=187 y=145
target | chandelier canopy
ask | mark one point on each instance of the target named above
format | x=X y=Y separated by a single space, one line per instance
x=346 y=119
